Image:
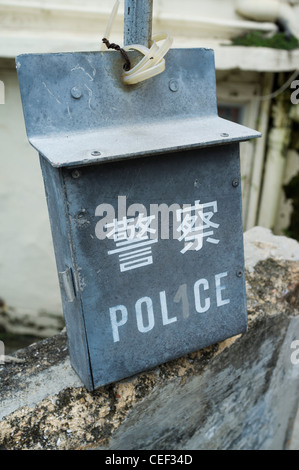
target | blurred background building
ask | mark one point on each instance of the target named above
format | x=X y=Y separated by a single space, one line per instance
x=256 y=57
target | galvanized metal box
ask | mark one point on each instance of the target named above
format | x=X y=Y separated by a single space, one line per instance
x=144 y=197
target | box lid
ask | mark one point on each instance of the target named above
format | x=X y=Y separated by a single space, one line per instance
x=77 y=110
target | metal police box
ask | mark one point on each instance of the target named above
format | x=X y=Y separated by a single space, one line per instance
x=144 y=197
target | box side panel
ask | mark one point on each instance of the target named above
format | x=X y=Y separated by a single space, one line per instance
x=71 y=300
x=147 y=304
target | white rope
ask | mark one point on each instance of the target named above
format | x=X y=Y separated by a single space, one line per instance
x=153 y=61
x=110 y=23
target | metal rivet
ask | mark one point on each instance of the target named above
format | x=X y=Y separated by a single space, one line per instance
x=224 y=134
x=235 y=183
x=76 y=174
x=76 y=92
x=95 y=153
x=239 y=273
x=173 y=85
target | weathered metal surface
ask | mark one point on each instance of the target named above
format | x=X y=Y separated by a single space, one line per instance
x=138 y=22
x=131 y=305
x=75 y=104
x=177 y=303
x=173 y=305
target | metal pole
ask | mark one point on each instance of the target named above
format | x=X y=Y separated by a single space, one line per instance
x=138 y=22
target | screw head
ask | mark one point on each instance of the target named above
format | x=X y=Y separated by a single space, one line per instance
x=76 y=92
x=224 y=134
x=173 y=85
x=95 y=153
x=239 y=273
x=76 y=174
x=235 y=183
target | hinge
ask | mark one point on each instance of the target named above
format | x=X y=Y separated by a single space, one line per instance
x=67 y=284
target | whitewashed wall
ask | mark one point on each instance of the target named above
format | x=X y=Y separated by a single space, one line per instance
x=28 y=281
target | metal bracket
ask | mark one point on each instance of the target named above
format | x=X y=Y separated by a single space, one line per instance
x=78 y=111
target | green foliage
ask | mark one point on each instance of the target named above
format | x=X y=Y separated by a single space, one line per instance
x=258 y=39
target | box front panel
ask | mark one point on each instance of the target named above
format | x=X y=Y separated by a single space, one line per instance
x=158 y=244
